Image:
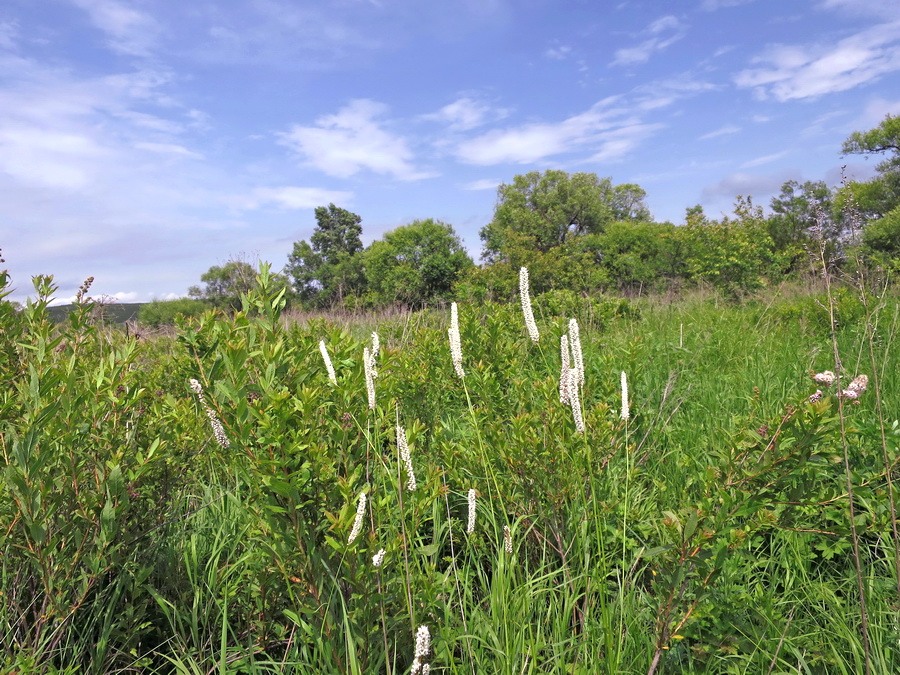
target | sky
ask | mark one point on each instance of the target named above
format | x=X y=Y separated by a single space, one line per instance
x=143 y=141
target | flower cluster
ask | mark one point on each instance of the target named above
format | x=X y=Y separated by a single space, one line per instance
x=470 y=526
x=565 y=365
x=825 y=378
x=626 y=410
x=455 y=345
x=855 y=388
x=423 y=646
x=507 y=539
x=369 y=366
x=218 y=431
x=575 y=400
x=526 y=305
x=325 y=357
x=358 y=521
x=853 y=391
x=403 y=447
x=378 y=558
x=575 y=345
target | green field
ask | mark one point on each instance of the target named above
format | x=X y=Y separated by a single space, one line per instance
x=728 y=525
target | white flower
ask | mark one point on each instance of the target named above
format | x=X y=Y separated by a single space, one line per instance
x=325 y=357
x=423 y=646
x=575 y=400
x=370 y=377
x=860 y=384
x=575 y=345
x=564 y=369
x=403 y=447
x=455 y=346
x=470 y=526
x=626 y=411
x=376 y=344
x=507 y=539
x=526 y=305
x=378 y=558
x=214 y=422
x=358 y=521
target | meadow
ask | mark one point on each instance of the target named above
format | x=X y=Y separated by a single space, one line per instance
x=220 y=500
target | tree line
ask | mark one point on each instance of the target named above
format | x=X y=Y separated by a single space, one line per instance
x=583 y=233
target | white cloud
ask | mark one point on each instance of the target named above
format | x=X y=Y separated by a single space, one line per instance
x=746 y=184
x=721 y=131
x=789 y=72
x=168 y=149
x=351 y=140
x=483 y=184
x=885 y=8
x=293 y=198
x=641 y=52
x=129 y=30
x=607 y=130
x=466 y=113
x=712 y=5
x=558 y=53
x=765 y=159
x=9 y=33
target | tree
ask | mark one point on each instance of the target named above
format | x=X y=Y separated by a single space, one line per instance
x=224 y=285
x=415 y=264
x=877 y=197
x=328 y=268
x=540 y=211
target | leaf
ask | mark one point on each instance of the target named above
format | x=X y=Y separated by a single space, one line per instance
x=428 y=550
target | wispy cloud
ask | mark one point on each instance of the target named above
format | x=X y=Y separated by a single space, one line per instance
x=558 y=52
x=483 y=184
x=713 y=5
x=721 y=131
x=765 y=159
x=467 y=113
x=661 y=33
x=787 y=72
x=351 y=140
x=747 y=184
x=128 y=30
x=293 y=197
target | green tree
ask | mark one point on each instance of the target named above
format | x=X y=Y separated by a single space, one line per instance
x=415 y=264
x=877 y=197
x=540 y=211
x=641 y=254
x=223 y=285
x=328 y=268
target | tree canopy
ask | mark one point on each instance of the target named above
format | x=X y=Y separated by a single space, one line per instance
x=328 y=268
x=415 y=264
x=540 y=211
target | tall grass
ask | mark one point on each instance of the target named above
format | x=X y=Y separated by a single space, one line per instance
x=706 y=532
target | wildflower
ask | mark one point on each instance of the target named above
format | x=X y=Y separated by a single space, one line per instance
x=564 y=369
x=575 y=345
x=626 y=412
x=325 y=357
x=403 y=447
x=859 y=384
x=378 y=558
x=470 y=526
x=376 y=344
x=526 y=305
x=455 y=346
x=423 y=646
x=825 y=378
x=370 y=377
x=507 y=539
x=214 y=422
x=575 y=401
x=816 y=397
x=358 y=522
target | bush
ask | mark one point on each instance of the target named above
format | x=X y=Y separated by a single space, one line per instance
x=164 y=312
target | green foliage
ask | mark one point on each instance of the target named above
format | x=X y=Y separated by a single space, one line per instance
x=416 y=264
x=541 y=211
x=226 y=285
x=642 y=255
x=881 y=240
x=327 y=269
x=708 y=533
x=164 y=312
x=880 y=195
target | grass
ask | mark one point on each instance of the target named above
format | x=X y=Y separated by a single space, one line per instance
x=708 y=533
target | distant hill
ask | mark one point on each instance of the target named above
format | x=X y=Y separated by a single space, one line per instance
x=119 y=312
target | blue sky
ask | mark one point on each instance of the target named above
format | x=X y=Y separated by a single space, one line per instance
x=142 y=141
